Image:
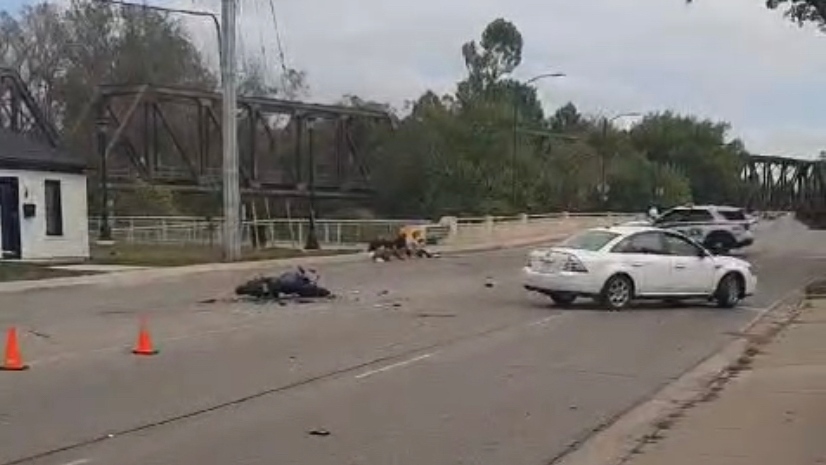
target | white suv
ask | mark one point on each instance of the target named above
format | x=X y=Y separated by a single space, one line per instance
x=719 y=228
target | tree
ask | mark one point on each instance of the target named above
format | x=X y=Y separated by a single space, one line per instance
x=799 y=11
x=699 y=148
x=568 y=119
x=257 y=81
x=497 y=54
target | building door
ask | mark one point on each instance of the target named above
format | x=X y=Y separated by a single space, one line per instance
x=10 y=217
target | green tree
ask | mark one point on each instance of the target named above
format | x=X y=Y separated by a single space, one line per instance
x=496 y=55
x=699 y=148
x=799 y=11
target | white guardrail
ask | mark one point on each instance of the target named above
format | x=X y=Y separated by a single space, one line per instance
x=348 y=233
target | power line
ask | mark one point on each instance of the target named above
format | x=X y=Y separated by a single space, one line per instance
x=280 y=44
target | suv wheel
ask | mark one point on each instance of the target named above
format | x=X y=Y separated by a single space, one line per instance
x=719 y=242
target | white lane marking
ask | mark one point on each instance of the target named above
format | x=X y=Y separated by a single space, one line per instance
x=394 y=365
x=77 y=462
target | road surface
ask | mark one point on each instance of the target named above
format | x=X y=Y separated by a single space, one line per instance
x=417 y=362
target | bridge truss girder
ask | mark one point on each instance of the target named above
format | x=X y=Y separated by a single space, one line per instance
x=20 y=112
x=172 y=136
x=780 y=183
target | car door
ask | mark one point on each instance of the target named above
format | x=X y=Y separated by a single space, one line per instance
x=644 y=256
x=695 y=224
x=692 y=269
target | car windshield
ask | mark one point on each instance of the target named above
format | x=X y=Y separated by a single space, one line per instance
x=589 y=240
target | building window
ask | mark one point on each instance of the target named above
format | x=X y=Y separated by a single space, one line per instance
x=54 y=209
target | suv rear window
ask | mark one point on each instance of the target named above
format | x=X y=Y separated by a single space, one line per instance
x=733 y=215
x=589 y=240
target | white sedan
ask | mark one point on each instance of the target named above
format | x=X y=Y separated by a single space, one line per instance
x=618 y=264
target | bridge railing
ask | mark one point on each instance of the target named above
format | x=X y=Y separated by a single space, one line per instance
x=346 y=233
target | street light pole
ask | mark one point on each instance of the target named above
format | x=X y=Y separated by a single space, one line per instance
x=603 y=165
x=515 y=129
x=226 y=52
x=232 y=189
x=204 y=14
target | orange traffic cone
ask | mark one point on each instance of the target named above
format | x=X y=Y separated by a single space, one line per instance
x=144 y=346
x=13 y=361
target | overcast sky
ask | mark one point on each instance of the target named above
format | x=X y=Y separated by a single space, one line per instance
x=725 y=59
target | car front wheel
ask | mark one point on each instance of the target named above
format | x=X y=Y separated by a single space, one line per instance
x=729 y=291
x=617 y=292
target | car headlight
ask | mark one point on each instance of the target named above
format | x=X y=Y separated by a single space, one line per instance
x=574 y=265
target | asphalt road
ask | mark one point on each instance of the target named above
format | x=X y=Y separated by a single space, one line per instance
x=417 y=362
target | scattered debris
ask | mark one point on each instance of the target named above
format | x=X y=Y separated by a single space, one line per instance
x=318 y=432
x=39 y=334
x=402 y=247
x=436 y=315
x=488 y=282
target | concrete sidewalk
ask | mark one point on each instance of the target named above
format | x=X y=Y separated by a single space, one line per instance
x=772 y=412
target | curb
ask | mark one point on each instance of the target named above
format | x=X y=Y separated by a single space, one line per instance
x=136 y=277
x=620 y=437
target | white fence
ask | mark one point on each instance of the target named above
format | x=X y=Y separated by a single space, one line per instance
x=341 y=233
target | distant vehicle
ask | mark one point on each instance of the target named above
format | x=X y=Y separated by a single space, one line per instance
x=618 y=264
x=718 y=228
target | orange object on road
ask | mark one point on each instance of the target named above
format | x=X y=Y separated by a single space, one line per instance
x=13 y=360
x=144 y=346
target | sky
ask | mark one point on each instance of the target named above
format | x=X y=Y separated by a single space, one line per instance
x=730 y=60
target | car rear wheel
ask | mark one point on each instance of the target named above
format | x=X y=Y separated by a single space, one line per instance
x=729 y=290
x=563 y=299
x=617 y=292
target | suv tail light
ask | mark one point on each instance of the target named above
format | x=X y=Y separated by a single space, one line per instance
x=574 y=265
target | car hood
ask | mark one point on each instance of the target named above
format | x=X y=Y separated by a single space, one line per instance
x=731 y=262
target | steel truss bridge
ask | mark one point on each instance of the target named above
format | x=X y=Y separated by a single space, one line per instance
x=172 y=137
x=780 y=183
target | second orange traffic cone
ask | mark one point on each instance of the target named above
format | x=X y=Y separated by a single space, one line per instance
x=144 y=346
x=13 y=359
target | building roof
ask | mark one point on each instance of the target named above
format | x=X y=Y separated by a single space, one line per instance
x=20 y=152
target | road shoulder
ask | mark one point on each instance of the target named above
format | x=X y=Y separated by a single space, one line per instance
x=629 y=437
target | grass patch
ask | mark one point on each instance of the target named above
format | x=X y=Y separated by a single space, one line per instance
x=17 y=271
x=181 y=255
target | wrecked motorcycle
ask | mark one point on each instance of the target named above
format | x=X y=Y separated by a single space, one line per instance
x=298 y=283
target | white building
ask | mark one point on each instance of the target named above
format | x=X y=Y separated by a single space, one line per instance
x=43 y=203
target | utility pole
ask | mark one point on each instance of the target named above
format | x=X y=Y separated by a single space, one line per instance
x=312 y=237
x=105 y=233
x=232 y=189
